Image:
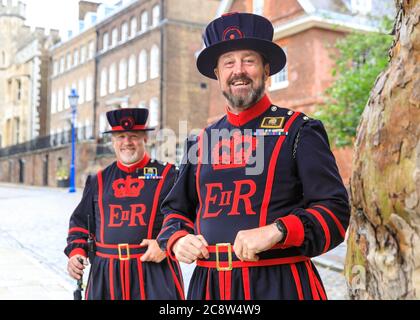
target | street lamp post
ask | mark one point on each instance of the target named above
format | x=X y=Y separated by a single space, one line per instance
x=73 y=98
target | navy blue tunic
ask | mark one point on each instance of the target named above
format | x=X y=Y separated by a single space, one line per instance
x=276 y=164
x=123 y=204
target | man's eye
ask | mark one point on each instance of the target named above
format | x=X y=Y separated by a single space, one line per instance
x=228 y=63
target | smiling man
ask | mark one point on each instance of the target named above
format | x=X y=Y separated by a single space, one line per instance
x=252 y=236
x=120 y=211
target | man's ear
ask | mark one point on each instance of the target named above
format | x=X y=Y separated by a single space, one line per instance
x=216 y=72
x=267 y=71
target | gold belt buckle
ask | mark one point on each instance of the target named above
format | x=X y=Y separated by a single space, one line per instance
x=125 y=246
x=229 y=267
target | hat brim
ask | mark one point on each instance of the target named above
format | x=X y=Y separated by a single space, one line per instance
x=116 y=131
x=207 y=60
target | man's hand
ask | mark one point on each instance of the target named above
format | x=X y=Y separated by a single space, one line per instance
x=153 y=253
x=190 y=248
x=249 y=243
x=75 y=268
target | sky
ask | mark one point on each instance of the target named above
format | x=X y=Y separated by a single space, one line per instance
x=54 y=14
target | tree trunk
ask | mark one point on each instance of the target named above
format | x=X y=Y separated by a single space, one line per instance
x=383 y=258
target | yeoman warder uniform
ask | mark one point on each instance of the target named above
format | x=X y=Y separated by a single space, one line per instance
x=121 y=207
x=299 y=187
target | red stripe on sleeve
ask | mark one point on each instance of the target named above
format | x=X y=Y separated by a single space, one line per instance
x=324 y=226
x=334 y=217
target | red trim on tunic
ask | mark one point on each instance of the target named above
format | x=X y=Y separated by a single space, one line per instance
x=296 y=277
x=295 y=231
x=82 y=230
x=111 y=279
x=122 y=280
x=208 y=286
x=228 y=285
x=320 y=289
x=324 y=226
x=156 y=201
x=127 y=280
x=138 y=165
x=221 y=285
x=197 y=179
x=271 y=171
x=334 y=217
x=141 y=279
x=177 y=283
x=76 y=251
x=249 y=114
x=101 y=204
x=245 y=280
x=314 y=291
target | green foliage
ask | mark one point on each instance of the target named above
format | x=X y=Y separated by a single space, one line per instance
x=360 y=59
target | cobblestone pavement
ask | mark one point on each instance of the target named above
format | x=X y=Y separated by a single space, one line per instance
x=34 y=225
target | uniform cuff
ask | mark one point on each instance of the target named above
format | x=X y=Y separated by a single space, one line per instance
x=174 y=238
x=295 y=231
x=76 y=251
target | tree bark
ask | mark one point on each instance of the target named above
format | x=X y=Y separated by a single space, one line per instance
x=383 y=257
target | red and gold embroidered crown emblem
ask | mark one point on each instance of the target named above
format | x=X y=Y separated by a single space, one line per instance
x=127 y=188
x=235 y=152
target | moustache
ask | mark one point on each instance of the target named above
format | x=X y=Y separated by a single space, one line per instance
x=240 y=78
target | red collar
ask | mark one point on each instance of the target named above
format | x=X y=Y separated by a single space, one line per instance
x=249 y=114
x=139 y=165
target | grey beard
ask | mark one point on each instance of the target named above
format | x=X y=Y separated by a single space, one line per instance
x=252 y=98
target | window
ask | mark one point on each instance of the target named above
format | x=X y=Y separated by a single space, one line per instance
x=154 y=62
x=281 y=79
x=102 y=123
x=81 y=91
x=62 y=65
x=124 y=32
x=75 y=57
x=155 y=15
x=361 y=6
x=60 y=106
x=143 y=66
x=105 y=41
x=53 y=102
x=258 y=7
x=88 y=129
x=122 y=73
x=112 y=78
x=132 y=71
x=55 y=69
x=104 y=83
x=68 y=61
x=154 y=112
x=91 y=50
x=19 y=90
x=144 y=21
x=66 y=97
x=82 y=54
x=89 y=88
x=133 y=27
x=114 y=39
